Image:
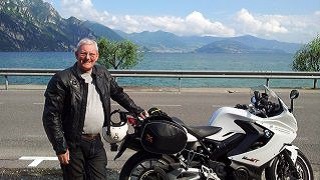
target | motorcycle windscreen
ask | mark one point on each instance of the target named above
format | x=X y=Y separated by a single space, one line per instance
x=163 y=137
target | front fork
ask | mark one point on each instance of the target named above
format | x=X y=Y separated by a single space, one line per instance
x=290 y=155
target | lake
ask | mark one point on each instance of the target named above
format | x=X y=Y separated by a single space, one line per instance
x=165 y=61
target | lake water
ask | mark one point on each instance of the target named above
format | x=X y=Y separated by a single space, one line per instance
x=166 y=61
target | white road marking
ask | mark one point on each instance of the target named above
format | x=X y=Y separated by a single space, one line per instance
x=38 y=103
x=37 y=160
x=158 y=105
x=298 y=107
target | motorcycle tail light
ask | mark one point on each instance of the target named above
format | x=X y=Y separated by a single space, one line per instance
x=131 y=120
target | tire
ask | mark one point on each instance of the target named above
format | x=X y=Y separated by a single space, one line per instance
x=142 y=166
x=279 y=169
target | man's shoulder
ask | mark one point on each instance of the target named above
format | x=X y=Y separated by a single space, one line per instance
x=64 y=72
x=101 y=69
x=63 y=76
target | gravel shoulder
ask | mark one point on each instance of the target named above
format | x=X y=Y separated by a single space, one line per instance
x=39 y=174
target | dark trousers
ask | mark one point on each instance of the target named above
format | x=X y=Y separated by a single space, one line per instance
x=88 y=161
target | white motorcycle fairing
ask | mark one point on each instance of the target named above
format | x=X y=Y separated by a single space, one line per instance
x=283 y=128
x=282 y=133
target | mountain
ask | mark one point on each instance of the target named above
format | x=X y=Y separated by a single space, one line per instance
x=224 y=46
x=34 y=25
x=161 y=41
x=102 y=31
x=158 y=41
x=236 y=46
x=259 y=43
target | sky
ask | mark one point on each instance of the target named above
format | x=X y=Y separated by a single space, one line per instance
x=296 y=21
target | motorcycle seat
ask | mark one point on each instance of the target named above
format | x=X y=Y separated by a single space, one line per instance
x=198 y=131
x=203 y=131
x=179 y=121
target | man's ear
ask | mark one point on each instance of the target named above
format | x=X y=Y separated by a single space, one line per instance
x=97 y=56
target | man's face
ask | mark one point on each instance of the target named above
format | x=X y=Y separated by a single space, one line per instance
x=87 y=55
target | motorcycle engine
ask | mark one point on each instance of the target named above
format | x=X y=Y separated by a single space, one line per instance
x=241 y=174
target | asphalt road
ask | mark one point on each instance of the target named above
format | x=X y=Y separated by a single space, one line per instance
x=23 y=143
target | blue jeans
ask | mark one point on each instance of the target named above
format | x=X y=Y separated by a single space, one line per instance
x=88 y=161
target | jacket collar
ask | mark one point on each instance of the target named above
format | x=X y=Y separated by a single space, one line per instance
x=77 y=71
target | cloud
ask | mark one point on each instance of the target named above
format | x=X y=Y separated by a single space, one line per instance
x=265 y=25
x=82 y=9
x=290 y=28
x=200 y=25
x=193 y=24
x=49 y=1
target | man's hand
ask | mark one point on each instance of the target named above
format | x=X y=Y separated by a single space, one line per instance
x=64 y=158
x=144 y=114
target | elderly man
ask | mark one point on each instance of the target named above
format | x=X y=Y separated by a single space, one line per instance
x=77 y=103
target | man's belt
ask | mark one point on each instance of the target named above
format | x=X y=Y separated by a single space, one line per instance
x=90 y=136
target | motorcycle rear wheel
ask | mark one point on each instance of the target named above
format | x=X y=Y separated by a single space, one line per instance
x=141 y=166
x=279 y=170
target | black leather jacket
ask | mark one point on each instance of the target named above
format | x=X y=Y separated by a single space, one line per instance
x=65 y=104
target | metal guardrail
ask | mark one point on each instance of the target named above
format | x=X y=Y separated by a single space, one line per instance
x=176 y=74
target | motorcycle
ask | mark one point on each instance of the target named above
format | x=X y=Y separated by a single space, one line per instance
x=242 y=142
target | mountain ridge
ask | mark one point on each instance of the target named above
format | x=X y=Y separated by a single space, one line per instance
x=157 y=42
x=34 y=25
x=234 y=46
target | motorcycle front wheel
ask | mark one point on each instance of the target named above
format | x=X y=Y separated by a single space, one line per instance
x=144 y=166
x=280 y=169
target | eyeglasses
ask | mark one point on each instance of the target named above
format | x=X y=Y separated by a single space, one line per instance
x=85 y=54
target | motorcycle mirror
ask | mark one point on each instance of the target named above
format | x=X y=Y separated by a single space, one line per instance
x=294 y=94
x=257 y=95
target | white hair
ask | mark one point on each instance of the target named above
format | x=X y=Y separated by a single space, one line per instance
x=87 y=41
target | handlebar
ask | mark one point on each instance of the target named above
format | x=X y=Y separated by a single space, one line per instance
x=261 y=105
x=127 y=117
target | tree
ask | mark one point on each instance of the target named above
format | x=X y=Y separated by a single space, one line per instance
x=308 y=57
x=118 y=54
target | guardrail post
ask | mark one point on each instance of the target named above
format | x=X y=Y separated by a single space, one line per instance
x=179 y=84
x=267 y=82
x=315 y=83
x=7 y=82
